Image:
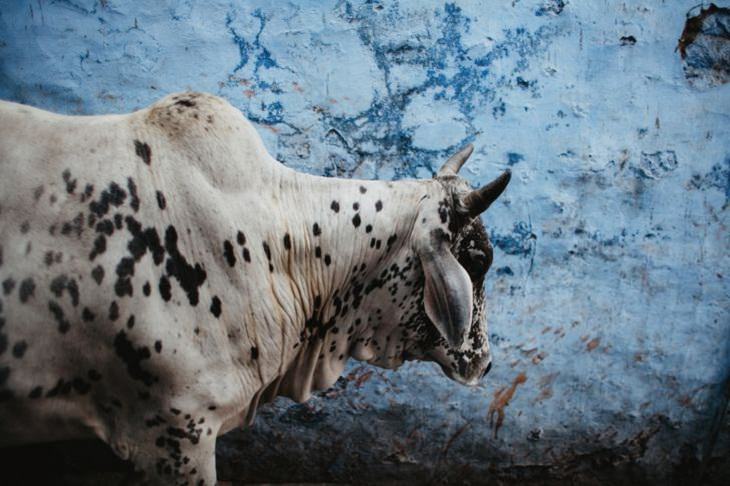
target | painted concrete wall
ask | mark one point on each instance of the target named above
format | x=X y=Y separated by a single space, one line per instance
x=609 y=294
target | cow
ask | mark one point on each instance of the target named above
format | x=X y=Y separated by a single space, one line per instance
x=162 y=276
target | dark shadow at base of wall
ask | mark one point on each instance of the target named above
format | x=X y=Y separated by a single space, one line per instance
x=86 y=463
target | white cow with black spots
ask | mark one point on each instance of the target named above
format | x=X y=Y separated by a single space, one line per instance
x=162 y=275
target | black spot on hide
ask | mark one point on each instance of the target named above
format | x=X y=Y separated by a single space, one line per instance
x=26 y=290
x=58 y=315
x=112 y=196
x=215 y=306
x=143 y=151
x=165 y=289
x=19 y=349
x=133 y=199
x=228 y=253
x=98 y=274
x=133 y=358
x=113 y=311
x=161 y=202
x=190 y=277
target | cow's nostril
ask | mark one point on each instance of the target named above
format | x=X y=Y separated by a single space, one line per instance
x=486 y=370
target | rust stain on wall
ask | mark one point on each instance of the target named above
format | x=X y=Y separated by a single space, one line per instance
x=593 y=344
x=502 y=398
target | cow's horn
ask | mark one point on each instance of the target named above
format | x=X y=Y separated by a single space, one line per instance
x=452 y=166
x=478 y=200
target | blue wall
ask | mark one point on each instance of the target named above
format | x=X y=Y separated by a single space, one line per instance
x=609 y=294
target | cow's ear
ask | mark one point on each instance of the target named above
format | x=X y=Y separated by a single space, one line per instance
x=447 y=294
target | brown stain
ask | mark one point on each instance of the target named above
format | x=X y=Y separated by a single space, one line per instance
x=685 y=401
x=333 y=392
x=399 y=454
x=548 y=379
x=502 y=397
x=545 y=383
x=545 y=393
x=593 y=344
x=453 y=438
x=358 y=377
x=537 y=359
x=249 y=93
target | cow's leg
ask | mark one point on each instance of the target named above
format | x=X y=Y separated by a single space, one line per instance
x=172 y=458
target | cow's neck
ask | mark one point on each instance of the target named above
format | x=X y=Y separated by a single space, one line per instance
x=360 y=225
x=330 y=239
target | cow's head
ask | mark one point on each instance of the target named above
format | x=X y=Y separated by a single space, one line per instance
x=446 y=322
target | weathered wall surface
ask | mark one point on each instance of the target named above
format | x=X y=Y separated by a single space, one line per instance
x=609 y=293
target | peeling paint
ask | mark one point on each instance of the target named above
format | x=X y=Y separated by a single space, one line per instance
x=705 y=46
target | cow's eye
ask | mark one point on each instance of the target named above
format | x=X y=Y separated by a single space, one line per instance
x=476 y=262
